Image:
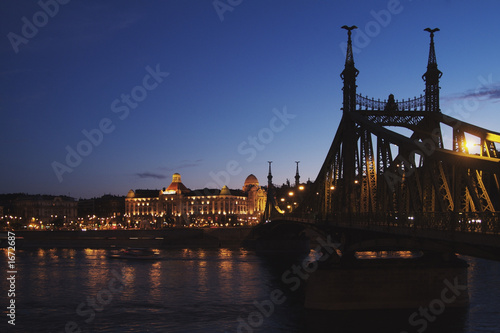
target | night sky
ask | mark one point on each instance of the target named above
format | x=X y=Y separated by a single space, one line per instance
x=106 y=96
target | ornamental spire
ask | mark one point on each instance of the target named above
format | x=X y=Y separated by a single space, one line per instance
x=269 y=175
x=349 y=75
x=349 y=59
x=431 y=77
x=297 y=176
x=432 y=53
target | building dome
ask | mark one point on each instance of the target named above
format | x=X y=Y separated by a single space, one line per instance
x=176 y=186
x=130 y=194
x=251 y=181
x=176 y=178
x=225 y=191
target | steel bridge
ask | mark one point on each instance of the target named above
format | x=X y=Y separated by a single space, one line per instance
x=376 y=179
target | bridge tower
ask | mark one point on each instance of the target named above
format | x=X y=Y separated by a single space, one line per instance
x=429 y=130
x=350 y=153
x=272 y=210
x=431 y=77
x=297 y=176
x=373 y=172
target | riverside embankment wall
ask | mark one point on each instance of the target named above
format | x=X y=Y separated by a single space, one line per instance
x=164 y=238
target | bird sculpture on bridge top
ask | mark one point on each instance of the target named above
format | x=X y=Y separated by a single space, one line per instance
x=349 y=59
x=352 y=27
x=432 y=31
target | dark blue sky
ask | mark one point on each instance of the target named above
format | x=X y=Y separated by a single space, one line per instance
x=180 y=86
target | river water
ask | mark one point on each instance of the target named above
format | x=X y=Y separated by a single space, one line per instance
x=220 y=290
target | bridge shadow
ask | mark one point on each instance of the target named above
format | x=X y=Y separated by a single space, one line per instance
x=280 y=238
x=385 y=321
x=375 y=283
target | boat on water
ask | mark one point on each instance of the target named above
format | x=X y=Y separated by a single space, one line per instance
x=136 y=253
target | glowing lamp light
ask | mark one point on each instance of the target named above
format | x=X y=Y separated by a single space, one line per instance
x=470 y=145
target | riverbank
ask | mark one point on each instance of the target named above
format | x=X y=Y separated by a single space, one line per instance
x=164 y=238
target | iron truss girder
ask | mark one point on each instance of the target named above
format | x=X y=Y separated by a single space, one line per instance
x=368 y=173
x=408 y=119
x=384 y=186
x=470 y=161
x=480 y=192
x=469 y=128
x=431 y=186
x=440 y=162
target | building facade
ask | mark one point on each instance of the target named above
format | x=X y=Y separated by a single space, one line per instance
x=46 y=208
x=177 y=205
x=107 y=206
x=257 y=197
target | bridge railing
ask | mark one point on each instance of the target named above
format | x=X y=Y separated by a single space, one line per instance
x=415 y=104
x=469 y=222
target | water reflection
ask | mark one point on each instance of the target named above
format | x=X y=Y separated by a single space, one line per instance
x=208 y=291
x=94 y=277
x=388 y=254
x=155 y=279
x=484 y=291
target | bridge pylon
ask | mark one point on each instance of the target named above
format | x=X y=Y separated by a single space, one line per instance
x=272 y=209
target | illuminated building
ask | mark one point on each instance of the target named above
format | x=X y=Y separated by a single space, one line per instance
x=256 y=196
x=178 y=205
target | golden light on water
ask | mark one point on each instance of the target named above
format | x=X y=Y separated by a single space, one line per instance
x=387 y=254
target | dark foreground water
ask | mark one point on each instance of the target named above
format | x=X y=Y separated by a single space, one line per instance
x=67 y=290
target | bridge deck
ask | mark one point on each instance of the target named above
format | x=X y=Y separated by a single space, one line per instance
x=478 y=229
